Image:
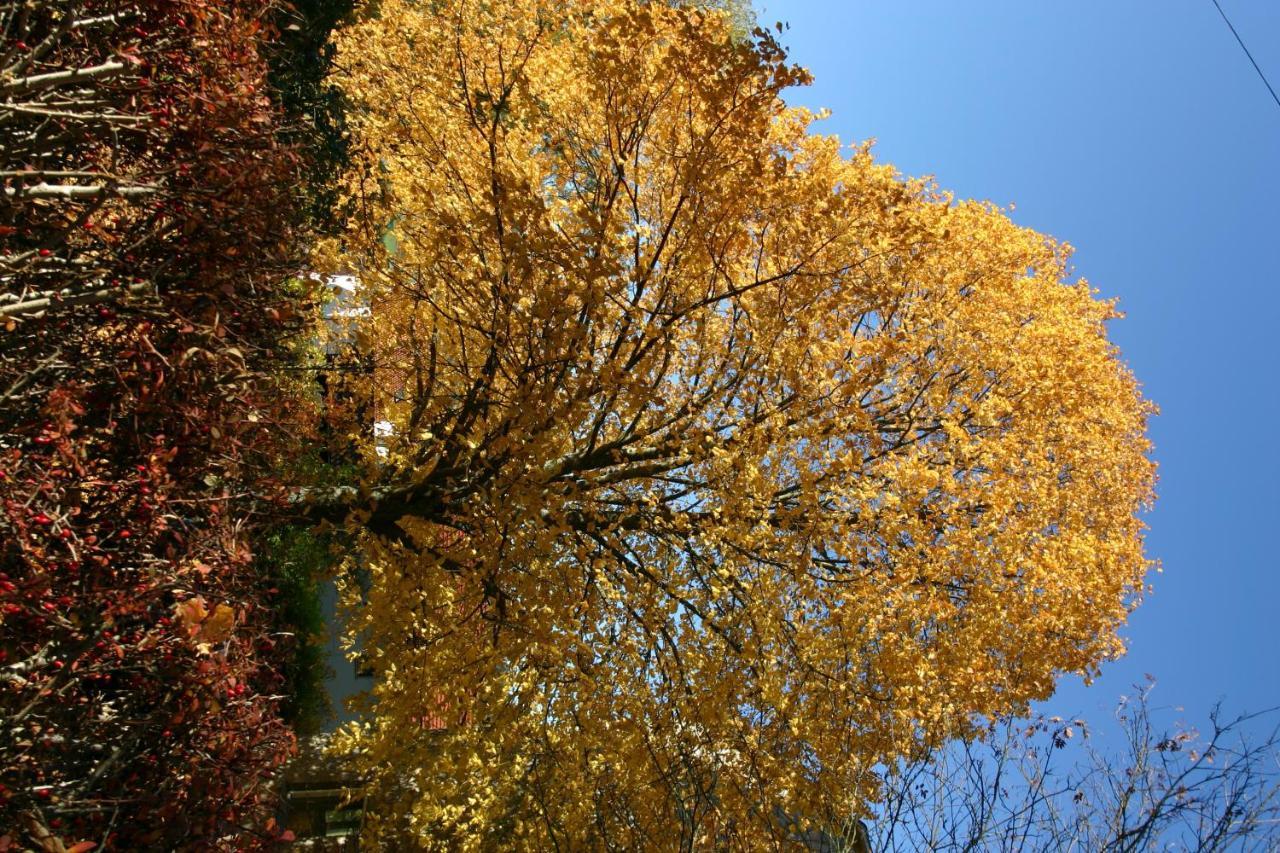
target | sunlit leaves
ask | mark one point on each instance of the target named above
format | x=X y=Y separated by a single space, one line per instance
x=725 y=462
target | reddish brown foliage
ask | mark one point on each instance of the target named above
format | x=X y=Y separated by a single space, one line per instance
x=144 y=231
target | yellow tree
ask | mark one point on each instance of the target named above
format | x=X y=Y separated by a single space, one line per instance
x=726 y=465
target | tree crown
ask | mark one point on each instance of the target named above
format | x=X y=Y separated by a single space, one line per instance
x=725 y=465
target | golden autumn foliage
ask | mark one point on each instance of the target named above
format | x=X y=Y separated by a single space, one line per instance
x=726 y=463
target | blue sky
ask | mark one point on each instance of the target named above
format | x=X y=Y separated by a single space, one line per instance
x=1137 y=131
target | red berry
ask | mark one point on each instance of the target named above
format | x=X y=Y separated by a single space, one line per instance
x=44 y=253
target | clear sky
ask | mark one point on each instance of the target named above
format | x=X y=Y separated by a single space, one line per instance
x=1137 y=131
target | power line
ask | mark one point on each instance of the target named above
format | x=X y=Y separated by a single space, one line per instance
x=1266 y=82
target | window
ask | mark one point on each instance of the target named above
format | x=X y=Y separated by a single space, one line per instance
x=324 y=818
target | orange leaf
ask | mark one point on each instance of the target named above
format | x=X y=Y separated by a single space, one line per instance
x=217 y=626
x=191 y=613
